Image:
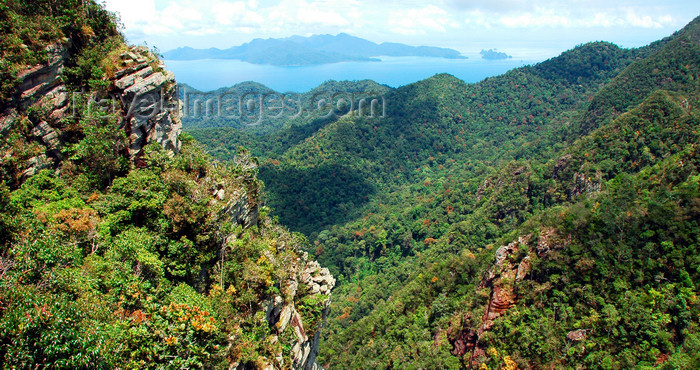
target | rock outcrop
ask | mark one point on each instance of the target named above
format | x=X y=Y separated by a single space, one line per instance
x=140 y=92
x=505 y=269
x=576 y=335
x=583 y=179
x=307 y=280
x=319 y=283
x=512 y=264
x=42 y=82
x=241 y=208
x=583 y=184
x=148 y=94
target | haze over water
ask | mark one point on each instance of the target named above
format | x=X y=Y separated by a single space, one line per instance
x=211 y=74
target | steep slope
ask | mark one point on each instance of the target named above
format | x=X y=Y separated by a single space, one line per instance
x=673 y=66
x=123 y=245
x=609 y=228
x=546 y=218
x=436 y=128
x=454 y=163
x=431 y=129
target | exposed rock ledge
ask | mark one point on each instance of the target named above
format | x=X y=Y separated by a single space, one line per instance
x=319 y=282
x=282 y=314
x=148 y=94
x=512 y=264
x=141 y=92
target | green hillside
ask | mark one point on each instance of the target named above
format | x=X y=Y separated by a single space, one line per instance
x=434 y=128
x=589 y=222
x=123 y=245
x=545 y=218
x=671 y=67
x=579 y=174
x=250 y=108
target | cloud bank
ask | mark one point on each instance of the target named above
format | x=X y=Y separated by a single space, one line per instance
x=186 y=20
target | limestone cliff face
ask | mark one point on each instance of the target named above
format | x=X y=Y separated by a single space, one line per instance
x=149 y=99
x=313 y=281
x=140 y=92
x=296 y=313
x=512 y=264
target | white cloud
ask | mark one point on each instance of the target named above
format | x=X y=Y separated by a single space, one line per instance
x=237 y=13
x=602 y=19
x=309 y=15
x=207 y=17
x=247 y=30
x=133 y=11
x=478 y=19
x=539 y=19
x=314 y=15
x=491 y=5
x=227 y=13
x=213 y=22
x=646 y=21
x=420 y=20
x=179 y=18
x=552 y=18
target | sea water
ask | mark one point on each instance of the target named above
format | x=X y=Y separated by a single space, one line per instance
x=211 y=74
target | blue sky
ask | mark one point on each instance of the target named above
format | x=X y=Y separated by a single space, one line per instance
x=526 y=29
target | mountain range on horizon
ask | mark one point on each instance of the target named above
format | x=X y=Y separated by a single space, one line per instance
x=311 y=50
x=543 y=218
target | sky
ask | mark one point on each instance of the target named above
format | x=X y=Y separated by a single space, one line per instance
x=526 y=29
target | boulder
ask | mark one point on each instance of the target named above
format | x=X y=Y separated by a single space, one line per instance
x=576 y=335
x=241 y=210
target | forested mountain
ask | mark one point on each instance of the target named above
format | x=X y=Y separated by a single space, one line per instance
x=315 y=49
x=544 y=218
x=435 y=127
x=250 y=108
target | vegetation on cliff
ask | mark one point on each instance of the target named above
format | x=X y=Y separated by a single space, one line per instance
x=122 y=245
x=545 y=218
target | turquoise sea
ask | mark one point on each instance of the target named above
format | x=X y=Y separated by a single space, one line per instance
x=211 y=74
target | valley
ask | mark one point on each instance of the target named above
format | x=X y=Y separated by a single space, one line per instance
x=546 y=217
x=408 y=210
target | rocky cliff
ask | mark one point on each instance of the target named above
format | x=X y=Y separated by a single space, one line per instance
x=512 y=263
x=297 y=313
x=148 y=94
x=140 y=92
x=310 y=279
x=41 y=122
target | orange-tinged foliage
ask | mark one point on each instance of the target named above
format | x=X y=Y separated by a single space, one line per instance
x=76 y=220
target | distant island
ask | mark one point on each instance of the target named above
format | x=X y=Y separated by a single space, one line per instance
x=316 y=49
x=492 y=54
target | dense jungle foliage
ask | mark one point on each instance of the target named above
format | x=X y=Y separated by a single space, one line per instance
x=590 y=158
x=545 y=218
x=105 y=264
